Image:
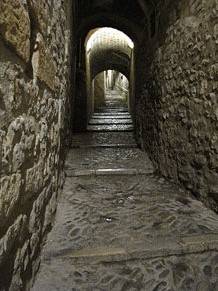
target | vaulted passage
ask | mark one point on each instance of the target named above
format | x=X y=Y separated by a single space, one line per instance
x=109 y=58
x=109 y=117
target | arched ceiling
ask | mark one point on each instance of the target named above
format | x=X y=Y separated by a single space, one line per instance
x=107 y=20
x=134 y=10
x=129 y=16
x=108 y=48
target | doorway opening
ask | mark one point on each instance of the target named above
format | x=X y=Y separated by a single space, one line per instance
x=110 y=88
x=110 y=91
x=109 y=71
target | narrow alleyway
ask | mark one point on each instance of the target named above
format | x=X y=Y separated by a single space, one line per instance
x=108 y=145
x=121 y=227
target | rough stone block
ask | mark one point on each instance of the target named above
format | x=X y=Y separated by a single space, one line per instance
x=9 y=193
x=40 y=10
x=49 y=213
x=42 y=63
x=34 y=178
x=15 y=26
x=36 y=216
x=34 y=243
x=20 y=263
x=15 y=233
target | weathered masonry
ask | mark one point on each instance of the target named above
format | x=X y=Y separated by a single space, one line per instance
x=45 y=95
x=35 y=89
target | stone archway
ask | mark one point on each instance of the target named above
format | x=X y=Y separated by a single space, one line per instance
x=108 y=48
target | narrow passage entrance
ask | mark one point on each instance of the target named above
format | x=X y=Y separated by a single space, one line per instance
x=105 y=70
x=111 y=98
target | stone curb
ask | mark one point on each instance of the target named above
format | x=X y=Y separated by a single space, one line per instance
x=85 y=146
x=113 y=120
x=90 y=129
x=105 y=172
x=112 y=116
x=161 y=247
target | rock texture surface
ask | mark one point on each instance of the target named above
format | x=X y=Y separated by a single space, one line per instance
x=34 y=89
x=99 y=90
x=126 y=230
x=15 y=26
x=176 y=118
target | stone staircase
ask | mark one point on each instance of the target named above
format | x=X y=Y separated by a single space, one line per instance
x=121 y=227
x=111 y=119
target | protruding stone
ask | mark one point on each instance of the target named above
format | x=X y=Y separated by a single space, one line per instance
x=42 y=63
x=39 y=9
x=9 y=193
x=15 y=26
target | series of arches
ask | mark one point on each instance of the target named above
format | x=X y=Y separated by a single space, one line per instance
x=107 y=49
x=131 y=18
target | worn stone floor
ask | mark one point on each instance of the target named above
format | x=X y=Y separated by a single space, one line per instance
x=119 y=226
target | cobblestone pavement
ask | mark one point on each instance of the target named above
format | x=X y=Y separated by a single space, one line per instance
x=128 y=229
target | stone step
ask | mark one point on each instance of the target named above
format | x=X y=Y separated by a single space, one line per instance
x=158 y=247
x=111 y=127
x=111 y=112
x=107 y=172
x=193 y=271
x=112 y=116
x=110 y=121
x=107 y=158
x=117 y=145
x=103 y=138
x=117 y=229
x=111 y=109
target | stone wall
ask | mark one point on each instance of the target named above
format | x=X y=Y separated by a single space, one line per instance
x=122 y=85
x=99 y=90
x=35 y=69
x=177 y=112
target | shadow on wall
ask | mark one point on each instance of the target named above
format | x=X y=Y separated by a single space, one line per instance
x=80 y=104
